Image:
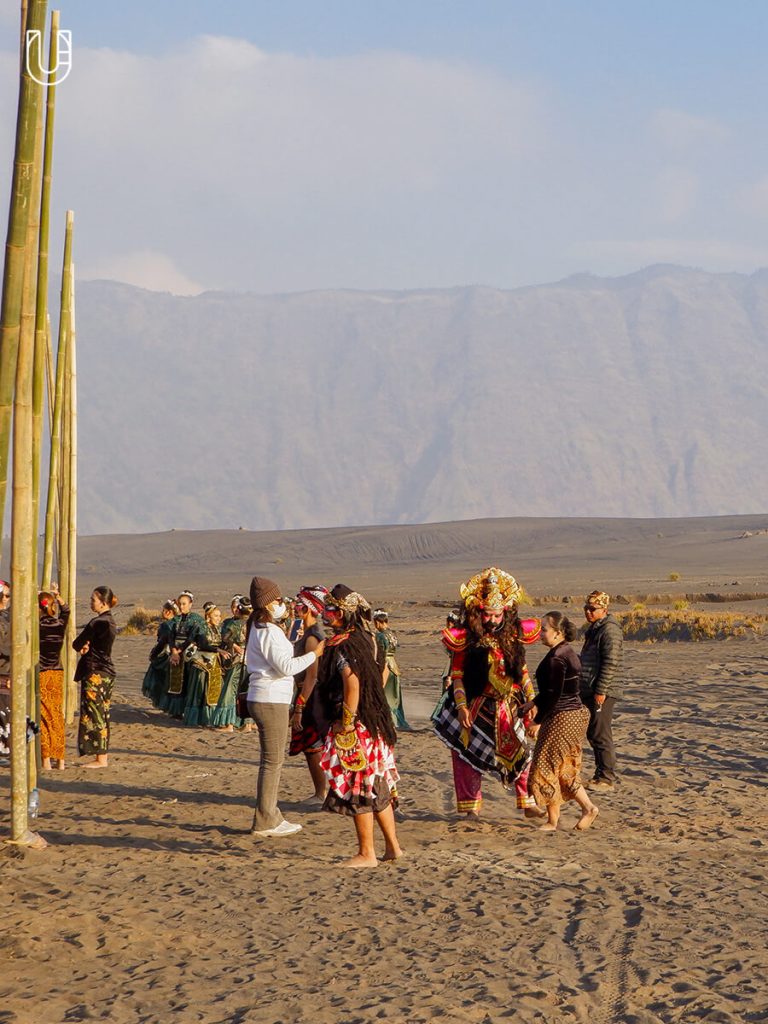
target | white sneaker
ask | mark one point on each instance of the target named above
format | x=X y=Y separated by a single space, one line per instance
x=285 y=828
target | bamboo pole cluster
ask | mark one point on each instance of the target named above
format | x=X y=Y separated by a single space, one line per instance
x=27 y=374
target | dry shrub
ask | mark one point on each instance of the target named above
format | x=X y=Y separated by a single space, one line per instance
x=674 y=576
x=141 y=620
x=681 y=606
x=688 y=625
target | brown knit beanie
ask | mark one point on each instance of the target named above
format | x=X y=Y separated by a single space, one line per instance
x=264 y=592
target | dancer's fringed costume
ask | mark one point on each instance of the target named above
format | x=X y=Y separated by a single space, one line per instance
x=489 y=677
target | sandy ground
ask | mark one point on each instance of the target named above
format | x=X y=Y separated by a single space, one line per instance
x=154 y=904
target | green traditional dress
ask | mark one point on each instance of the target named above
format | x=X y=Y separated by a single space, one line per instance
x=204 y=680
x=225 y=712
x=155 y=685
x=387 y=641
x=184 y=630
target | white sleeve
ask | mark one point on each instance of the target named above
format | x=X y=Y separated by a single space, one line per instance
x=278 y=651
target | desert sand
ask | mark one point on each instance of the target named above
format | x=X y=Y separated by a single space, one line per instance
x=154 y=904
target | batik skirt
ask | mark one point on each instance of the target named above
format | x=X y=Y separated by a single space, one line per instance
x=52 y=739
x=95 y=702
x=555 y=774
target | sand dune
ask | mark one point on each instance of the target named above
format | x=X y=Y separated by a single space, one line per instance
x=154 y=904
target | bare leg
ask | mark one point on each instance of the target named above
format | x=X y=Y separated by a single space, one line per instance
x=60 y=764
x=589 y=811
x=366 y=853
x=102 y=761
x=47 y=763
x=553 y=816
x=386 y=822
x=317 y=773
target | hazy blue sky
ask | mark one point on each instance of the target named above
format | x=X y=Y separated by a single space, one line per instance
x=406 y=143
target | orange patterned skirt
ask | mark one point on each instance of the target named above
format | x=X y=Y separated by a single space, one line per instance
x=52 y=741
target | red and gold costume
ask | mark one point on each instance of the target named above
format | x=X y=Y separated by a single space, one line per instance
x=484 y=679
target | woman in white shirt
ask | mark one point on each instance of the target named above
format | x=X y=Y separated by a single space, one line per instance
x=271 y=667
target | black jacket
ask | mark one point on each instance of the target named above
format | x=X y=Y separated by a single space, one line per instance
x=601 y=658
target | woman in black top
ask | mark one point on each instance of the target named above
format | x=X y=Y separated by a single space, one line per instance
x=555 y=774
x=54 y=616
x=96 y=675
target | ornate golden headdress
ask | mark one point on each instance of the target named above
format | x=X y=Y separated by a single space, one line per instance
x=492 y=589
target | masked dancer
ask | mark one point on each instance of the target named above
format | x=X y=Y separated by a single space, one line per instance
x=349 y=701
x=488 y=682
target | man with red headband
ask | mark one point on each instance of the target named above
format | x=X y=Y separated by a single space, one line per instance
x=488 y=681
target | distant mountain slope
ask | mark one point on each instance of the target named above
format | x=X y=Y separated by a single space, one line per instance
x=639 y=396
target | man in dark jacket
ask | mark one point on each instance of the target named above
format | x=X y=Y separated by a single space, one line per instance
x=601 y=667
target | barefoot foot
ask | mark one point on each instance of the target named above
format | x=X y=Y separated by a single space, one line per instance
x=534 y=812
x=548 y=827
x=360 y=861
x=587 y=819
x=96 y=764
x=393 y=854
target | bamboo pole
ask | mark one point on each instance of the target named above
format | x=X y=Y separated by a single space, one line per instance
x=16 y=238
x=54 y=471
x=49 y=384
x=72 y=511
x=41 y=312
x=22 y=530
x=64 y=495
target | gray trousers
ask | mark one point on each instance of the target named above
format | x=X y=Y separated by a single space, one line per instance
x=272 y=721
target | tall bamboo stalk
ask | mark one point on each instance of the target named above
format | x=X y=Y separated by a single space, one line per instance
x=49 y=384
x=72 y=511
x=64 y=493
x=41 y=312
x=54 y=471
x=16 y=305
x=16 y=238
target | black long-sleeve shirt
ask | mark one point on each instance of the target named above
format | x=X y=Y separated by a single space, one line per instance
x=100 y=633
x=557 y=679
x=52 y=629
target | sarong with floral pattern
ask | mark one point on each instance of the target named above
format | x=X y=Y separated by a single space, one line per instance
x=95 y=702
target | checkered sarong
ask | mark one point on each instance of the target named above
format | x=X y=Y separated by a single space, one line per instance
x=349 y=785
x=480 y=752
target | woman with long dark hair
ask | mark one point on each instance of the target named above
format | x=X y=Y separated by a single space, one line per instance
x=555 y=774
x=54 y=616
x=349 y=703
x=96 y=675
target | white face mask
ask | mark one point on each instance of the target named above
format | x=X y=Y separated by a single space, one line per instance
x=277 y=612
